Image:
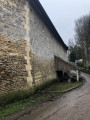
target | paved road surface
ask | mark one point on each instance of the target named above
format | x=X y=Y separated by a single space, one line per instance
x=74 y=105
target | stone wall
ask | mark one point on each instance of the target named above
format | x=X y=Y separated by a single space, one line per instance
x=44 y=47
x=27 y=47
x=13 y=45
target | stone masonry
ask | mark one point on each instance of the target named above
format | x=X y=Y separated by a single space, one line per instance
x=27 y=47
x=13 y=45
x=44 y=47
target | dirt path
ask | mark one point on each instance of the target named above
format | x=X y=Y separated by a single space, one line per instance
x=74 y=105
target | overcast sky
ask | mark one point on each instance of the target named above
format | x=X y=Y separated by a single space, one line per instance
x=63 y=14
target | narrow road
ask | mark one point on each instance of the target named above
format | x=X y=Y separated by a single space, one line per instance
x=74 y=105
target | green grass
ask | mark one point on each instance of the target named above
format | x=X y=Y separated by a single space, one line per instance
x=21 y=105
x=62 y=86
x=37 y=98
x=23 y=93
x=12 y=108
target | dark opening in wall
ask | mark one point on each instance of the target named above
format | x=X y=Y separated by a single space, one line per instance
x=66 y=76
x=59 y=75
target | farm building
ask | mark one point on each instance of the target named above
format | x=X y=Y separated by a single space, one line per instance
x=30 y=46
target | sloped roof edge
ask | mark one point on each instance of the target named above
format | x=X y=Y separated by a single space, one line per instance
x=40 y=10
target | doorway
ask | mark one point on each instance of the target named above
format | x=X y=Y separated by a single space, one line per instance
x=59 y=75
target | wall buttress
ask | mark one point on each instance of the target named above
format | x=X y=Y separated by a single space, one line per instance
x=27 y=49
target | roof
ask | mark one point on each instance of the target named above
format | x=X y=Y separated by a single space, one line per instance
x=67 y=62
x=41 y=12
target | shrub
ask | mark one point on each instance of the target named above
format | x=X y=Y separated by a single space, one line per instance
x=15 y=95
x=86 y=71
x=20 y=94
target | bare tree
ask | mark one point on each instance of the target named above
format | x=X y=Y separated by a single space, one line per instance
x=82 y=30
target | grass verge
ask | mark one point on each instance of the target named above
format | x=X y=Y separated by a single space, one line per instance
x=37 y=98
x=63 y=86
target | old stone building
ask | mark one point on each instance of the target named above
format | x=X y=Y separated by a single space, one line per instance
x=29 y=44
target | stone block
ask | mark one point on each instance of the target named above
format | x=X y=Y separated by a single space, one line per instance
x=27 y=27
x=27 y=58
x=28 y=67
x=27 y=38
x=27 y=49
x=29 y=74
x=29 y=80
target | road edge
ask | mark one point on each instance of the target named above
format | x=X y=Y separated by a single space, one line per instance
x=28 y=110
